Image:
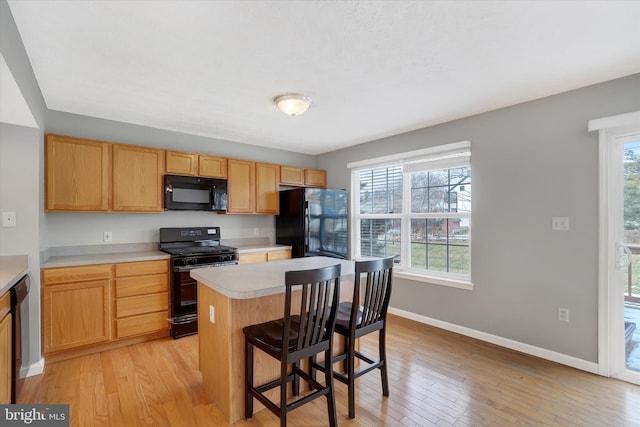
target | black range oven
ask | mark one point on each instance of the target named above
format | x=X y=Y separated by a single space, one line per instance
x=193 y=247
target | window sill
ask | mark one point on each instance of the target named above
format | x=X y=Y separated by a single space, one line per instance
x=459 y=284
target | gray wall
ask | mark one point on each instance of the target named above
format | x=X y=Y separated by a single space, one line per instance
x=529 y=162
x=21 y=154
x=19 y=192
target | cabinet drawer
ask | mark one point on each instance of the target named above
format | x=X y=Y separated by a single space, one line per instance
x=142 y=304
x=142 y=268
x=5 y=304
x=277 y=255
x=141 y=285
x=76 y=274
x=252 y=257
x=142 y=324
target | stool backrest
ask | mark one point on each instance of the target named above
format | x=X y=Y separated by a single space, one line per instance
x=320 y=290
x=374 y=295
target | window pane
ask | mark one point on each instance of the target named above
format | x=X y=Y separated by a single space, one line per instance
x=381 y=191
x=460 y=189
x=440 y=244
x=380 y=237
x=447 y=190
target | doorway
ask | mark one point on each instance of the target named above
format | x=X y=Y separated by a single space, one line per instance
x=619 y=236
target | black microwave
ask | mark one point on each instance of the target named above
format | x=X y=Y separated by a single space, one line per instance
x=192 y=193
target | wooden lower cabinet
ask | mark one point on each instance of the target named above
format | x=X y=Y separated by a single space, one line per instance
x=85 y=307
x=263 y=256
x=141 y=303
x=6 y=342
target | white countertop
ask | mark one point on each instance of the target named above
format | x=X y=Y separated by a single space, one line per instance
x=12 y=268
x=106 y=258
x=246 y=281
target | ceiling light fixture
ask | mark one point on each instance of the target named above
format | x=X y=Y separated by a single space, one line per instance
x=293 y=104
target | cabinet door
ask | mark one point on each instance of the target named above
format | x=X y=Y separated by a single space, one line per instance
x=181 y=163
x=212 y=167
x=241 y=186
x=5 y=359
x=291 y=175
x=75 y=315
x=267 y=181
x=137 y=178
x=315 y=178
x=78 y=174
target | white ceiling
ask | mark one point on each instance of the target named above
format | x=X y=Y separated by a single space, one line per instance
x=373 y=68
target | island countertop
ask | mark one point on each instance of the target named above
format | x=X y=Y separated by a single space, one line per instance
x=246 y=281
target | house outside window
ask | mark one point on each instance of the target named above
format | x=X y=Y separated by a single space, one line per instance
x=416 y=207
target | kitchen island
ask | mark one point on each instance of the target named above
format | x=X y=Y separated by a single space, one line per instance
x=232 y=297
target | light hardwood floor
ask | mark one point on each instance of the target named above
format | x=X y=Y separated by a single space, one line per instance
x=437 y=378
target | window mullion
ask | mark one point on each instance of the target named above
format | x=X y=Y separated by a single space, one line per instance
x=405 y=222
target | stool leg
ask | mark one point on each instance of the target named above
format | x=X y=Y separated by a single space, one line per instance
x=331 y=397
x=283 y=391
x=383 y=358
x=351 y=381
x=248 y=375
x=296 y=379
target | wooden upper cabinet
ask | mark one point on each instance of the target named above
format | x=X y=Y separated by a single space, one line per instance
x=137 y=178
x=181 y=163
x=212 y=166
x=296 y=176
x=241 y=186
x=315 y=178
x=267 y=195
x=291 y=175
x=78 y=174
x=193 y=164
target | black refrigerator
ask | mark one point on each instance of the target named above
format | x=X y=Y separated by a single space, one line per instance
x=313 y=221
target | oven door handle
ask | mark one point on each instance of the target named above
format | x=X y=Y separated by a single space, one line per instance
x=184 y=268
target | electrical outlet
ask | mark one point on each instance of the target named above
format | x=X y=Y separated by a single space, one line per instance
x=107 y=236
x=560 y=223
x=256 y=231
x=8 y=219
x=212 y=314
x=563 y=314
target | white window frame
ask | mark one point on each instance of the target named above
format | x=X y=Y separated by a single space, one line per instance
x=440 y=157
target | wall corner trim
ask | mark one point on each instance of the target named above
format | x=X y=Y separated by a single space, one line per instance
x=33 y=369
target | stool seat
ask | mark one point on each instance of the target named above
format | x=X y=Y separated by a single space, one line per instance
x=269 y=334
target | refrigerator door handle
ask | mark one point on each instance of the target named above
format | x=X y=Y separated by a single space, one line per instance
x=306 y=227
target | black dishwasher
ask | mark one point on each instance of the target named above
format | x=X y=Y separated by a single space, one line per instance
x=19 y=293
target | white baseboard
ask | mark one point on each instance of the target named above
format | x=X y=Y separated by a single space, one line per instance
x=501 y=341
x=33 y=369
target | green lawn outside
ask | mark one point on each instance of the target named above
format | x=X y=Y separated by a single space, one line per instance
x=458 y=256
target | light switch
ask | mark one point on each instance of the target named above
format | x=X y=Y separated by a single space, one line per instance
x=8 y=219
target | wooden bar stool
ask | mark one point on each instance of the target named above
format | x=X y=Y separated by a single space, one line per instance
x=365 y=314
x=301 y=334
